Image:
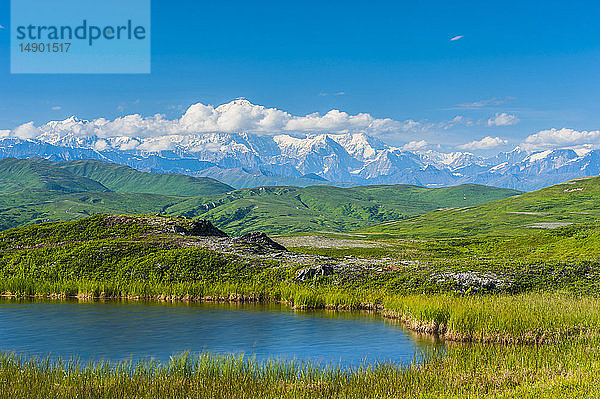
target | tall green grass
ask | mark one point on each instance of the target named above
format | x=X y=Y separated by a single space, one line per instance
x=560 y=371
x=532 y=317
x=523 y=318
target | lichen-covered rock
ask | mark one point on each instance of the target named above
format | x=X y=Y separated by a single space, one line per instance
x=260 y=239
x=312 y=272
x=204 y=228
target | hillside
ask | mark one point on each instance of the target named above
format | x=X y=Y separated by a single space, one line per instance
x=124 y=179
x=37 y=190
x=316 y=208
x=575 y=201
x=39 y=206
x=38 y=173
x=248 y=178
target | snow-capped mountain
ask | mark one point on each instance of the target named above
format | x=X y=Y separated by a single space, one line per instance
x=245 y=159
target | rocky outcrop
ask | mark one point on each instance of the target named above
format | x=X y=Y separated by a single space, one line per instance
x=199 y=228
x=205 y=228
x=261 y=240
x=312 y=272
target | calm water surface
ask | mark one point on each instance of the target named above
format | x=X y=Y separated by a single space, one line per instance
x=142 y=330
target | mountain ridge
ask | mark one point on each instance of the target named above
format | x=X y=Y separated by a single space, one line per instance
x=250 y=160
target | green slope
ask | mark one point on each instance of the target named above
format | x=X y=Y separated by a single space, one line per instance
x=38 y=206
x=316 y=208
x=71 y=190
x=122 y=178
x=575 y=201
x=38 y=173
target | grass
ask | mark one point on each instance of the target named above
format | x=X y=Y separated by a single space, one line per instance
x=456 y=371
x=524 y=318
x=501 y=300
x=575 y=201
x=76 y=189
x=545 y=295
x=476 y=274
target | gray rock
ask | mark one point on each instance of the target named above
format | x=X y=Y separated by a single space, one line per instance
x=204 y=228
x=312 y=272
x=262 y=240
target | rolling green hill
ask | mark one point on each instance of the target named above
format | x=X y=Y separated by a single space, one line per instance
x=39 y=206
x=575 y=201
x=38 y=173
x=123 y=179
x=72 y=190
x=316 y=208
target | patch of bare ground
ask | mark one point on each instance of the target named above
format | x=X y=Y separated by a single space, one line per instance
x=549 y=225
x=325 y=242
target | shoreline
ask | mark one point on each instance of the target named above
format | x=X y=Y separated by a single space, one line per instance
x=408 y=321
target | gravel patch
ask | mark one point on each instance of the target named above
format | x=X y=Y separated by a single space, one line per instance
x=324 y=242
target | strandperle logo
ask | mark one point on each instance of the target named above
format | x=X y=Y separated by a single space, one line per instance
x=85 y=31
x=80 y=36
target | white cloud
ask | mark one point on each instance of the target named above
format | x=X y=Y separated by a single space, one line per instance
x=455 y=38
x=485 y=103
x=339 y=93
x=26 y=131
x=4 y=133
x=561 y=138
x=238 y=116
x=457 y=120
x=56 y=108
x=503 y=119
x=485 y=143
x=415 y=145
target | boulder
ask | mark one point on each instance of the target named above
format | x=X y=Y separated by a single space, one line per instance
x=205 y=228
x=199 y=228
x=311 y=273
x=260 y=239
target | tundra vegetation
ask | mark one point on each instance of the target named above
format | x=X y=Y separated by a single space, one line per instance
x=512 y=285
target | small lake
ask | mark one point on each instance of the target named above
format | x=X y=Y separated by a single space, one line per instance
x=143 y=330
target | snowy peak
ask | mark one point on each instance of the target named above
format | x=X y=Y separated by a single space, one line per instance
x=453 y=160
x=360 y=146
x=349 y=158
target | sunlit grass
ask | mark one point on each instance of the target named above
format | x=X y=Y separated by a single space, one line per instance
x=561 y=371
x=534 y=317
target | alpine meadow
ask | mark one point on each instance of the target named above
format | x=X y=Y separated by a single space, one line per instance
x=299 y=199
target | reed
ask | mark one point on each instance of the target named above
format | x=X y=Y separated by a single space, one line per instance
x=459 y=370
x=523 y=318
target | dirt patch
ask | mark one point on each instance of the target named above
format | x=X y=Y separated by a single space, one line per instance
x=324 y=242
x=550 y=225
x=527 y=213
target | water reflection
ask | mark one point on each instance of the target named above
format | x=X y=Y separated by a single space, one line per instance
x=115 y=330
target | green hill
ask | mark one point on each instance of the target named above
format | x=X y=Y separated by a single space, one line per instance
x=39 y=206
x=317 y=208
x=120 y=178
x=575 y=201
x=38 y=173
x=72 y=190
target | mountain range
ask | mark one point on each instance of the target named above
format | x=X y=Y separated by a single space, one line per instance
x=249 y=160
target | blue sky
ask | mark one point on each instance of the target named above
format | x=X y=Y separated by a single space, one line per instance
x=536 y=62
